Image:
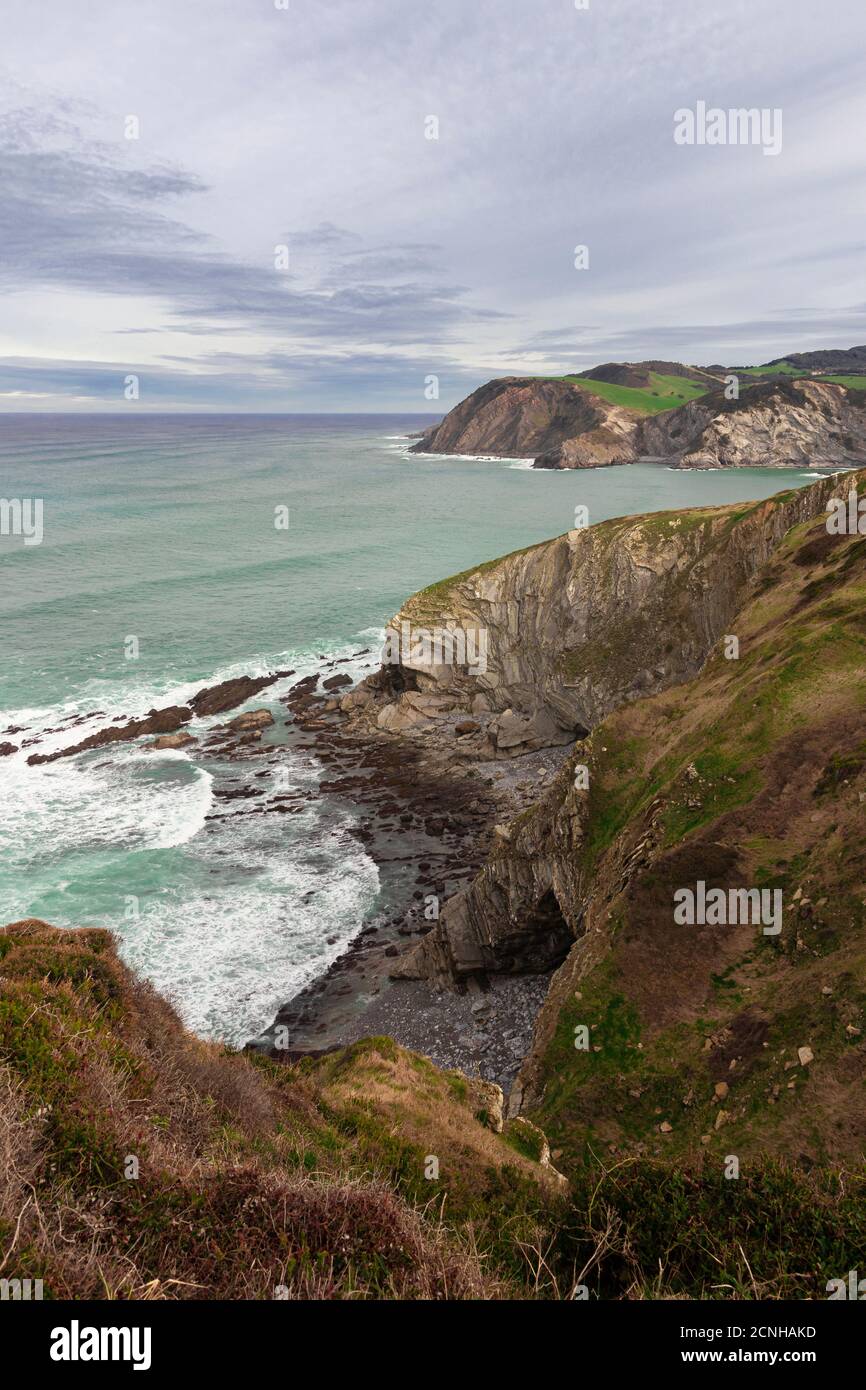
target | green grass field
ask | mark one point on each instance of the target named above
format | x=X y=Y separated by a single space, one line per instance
x=665 y=393
x=781 y=368
x=668 y=392
x=857 y=383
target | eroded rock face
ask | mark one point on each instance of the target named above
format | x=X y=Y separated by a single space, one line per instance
x=635 y=606
x=509 y=920
x=521 y=417
x=617 y=441
x=778 y=424
x=578 y=625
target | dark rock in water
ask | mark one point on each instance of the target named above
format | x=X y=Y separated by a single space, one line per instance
x=216 y=699
x=305 y=686
x=6 y=749
x=164 y=721
x=334 y=682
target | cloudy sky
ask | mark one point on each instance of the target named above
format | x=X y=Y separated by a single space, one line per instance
x=306 y=127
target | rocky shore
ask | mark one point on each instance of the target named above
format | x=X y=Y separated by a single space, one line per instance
x=430 y=817
x=429 y=812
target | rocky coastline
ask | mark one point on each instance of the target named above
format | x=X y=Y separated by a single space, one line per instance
x=787 y=414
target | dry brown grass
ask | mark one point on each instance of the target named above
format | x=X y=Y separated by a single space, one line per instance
x=250 y=1178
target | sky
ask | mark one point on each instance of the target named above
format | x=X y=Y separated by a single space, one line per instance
x=354 y=205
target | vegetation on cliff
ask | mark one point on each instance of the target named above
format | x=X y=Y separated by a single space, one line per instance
x=141 y=1162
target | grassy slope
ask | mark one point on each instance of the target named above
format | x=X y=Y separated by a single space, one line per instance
x=780 y=369
x=251 y=1174
x=752 y=774
x=666 y=392
x=857 y=383
x=254 y=1175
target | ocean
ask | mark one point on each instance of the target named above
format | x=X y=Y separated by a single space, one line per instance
x=178 y=551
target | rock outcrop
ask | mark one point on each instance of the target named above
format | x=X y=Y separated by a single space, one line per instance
x=168 y=722
x=776 y=424
x=779 y=420
x=163 y=721
x=217 y=699
x=521 y=417
x=573 y=627
x=579 y=628
x=751 y=773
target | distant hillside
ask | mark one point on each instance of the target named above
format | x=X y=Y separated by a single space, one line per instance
x=604 y=415
x=520 y=417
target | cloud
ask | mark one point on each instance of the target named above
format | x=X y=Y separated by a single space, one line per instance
x=75 y=218
x=408 y=255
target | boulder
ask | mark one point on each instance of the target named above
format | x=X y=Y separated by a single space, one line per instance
x=252 y=719
x=178 y=740
x=517 y=733
x=356 y=699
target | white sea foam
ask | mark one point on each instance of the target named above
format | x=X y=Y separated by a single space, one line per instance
x=228 y=959
x=124 y=800
x=470 y=458
x=243 y=915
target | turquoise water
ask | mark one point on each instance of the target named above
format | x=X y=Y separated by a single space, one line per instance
x=161 y=529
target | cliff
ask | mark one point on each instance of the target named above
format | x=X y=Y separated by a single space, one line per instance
x=789 y=414
x=575 y=626
x=137 y=1161
x=519 y=417
x=775 y=424
x=745 y=771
